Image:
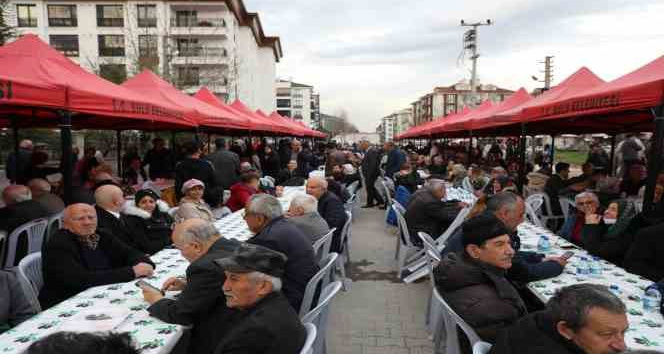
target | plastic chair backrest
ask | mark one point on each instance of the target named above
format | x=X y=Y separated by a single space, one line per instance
x=322 y=245
x=566 y=204
x=386 y=190
x=403 y=226
x=461 y=217
x=352 y=188
x=532 y=215
x=30 y=269
x=35 y=231
x=321 y=278
x=467 y=185
x=307 y=348
x=345 y=232
x=318 y=316
x=451 y=328
x=536 y=201
x=481 y=348
x=55 y=222
x=431 y=254
x=547 y=204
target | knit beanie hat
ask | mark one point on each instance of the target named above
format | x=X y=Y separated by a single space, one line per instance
x=145 y=193
x=482 y=228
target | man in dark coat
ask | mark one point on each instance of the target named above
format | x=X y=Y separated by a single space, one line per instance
x=558 y=185
x=109 y=201
x=194 y=167
x=427 y=212
x=160 y=159
x=20 y=208
x=14 y=305
x=226 y=164
x=18 y=166
x=473 y=281
x=330 y=208
x=581 y=318
x=266 y=324
x=264 y=216
x=395 y=158
x=201 y=302
x=80 y=256
x=644 y=256
x=371 y=171
x=304 y=158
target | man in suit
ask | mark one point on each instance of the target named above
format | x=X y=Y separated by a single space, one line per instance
x=371 y=171
x=330 y=207
x=201 y=302
x=109 y=201
x=226 y=164
x=80 y=256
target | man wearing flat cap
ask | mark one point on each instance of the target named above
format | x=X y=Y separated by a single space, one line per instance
x=266 y=323
x=473 y=282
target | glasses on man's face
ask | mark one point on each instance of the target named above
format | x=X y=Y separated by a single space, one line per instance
x=586 y=203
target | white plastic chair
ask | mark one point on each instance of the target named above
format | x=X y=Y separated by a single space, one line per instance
x=549 y=216
x=352 y=188
x=322 y=245
x=55 y=222
x=534 y=208
x=481 y=348
x=407 y=247
x=319 y=315
x=344 y=257
x=30 y=271
x=387 y=197
x=433 y=256
x=34 y=231
x=320 y=279
x=452 y=320
x=307 y=348
x=566 y=204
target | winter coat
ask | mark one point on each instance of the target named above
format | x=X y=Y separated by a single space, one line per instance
x=479 y=293
x=534 y=333
x=395 y=158
x=331 y=208
x=282 y=236
x=226 y=167
x=161 y=163
x=201 y=303
x=240 y=194
x=644 y=257
x=428 y=214
x=201 y=170
x=188 y=209
x=371 y=164
x=69 y=269
x=150 y=233
x=14 y=305
x=269 y=327
x=271 y=165
x=402 y=196
x=311 y=225
x=410 y=181
x=116 y=226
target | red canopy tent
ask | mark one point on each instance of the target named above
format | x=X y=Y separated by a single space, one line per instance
x=204 y=114
x=269 y=125
x=424 y=130
x=38 y=80
x=295 y=129
x=450 y=122
x=254 y=123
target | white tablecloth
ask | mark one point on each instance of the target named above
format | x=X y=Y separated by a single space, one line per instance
x=645 y=332
x=124 y=301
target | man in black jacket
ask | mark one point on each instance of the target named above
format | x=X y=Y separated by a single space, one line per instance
x=80 y=256
x=109 y=201
x=266 y=323
x=201 y=302
x=264 y=216
x=371 y=171
x=644 y=256
x=194 y=167
x=330 y=207
x=581 y=318
x=160 y=159
x=303 y=156
x=226 y=164
x=18 y=166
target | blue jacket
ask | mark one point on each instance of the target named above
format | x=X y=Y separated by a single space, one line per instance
x=566 y=230
x=402 y=196
x=395 y=159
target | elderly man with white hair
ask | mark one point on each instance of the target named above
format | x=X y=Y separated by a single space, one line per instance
x=19 y=208
x=427 y=212
x=330 y=208
x=264 y=217
x=265 y=322
x=586 y=203
x=41 y=192
x=303 y=212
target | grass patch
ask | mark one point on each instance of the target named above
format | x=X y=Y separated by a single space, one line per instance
x=572 y=157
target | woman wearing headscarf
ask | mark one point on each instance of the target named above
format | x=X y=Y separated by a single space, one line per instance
x=192 y=204
x=610 y=235
x=148 y=222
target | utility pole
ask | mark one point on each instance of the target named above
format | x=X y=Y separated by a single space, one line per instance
x=548 y=72
x=470 y=44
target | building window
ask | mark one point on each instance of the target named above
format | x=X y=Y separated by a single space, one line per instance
x=283 y=92
x=298 y=102
x=147 y=46
x=110 y=16
x=111 y=46
x=284 y=113
x=283 y=103
x=65 y=44
x=27 y=15
x=147 y=15
x=185 y=18
x=115 y=73
x=297 y=114
x=188 y=76
x=62 y=16
x=188 y=47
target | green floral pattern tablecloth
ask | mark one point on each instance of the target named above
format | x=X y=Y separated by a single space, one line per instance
x=149 y=333
x=646 y=328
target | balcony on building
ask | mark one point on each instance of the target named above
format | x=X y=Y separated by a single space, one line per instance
x=200 y=54
x=198 y=19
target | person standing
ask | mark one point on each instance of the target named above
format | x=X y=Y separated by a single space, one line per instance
x=303 y=157
x=18 y=166
x=371 y=171
x=160 y=159
x=193 y=167
x=395 y=158
x=226 y=164
x=630 y=149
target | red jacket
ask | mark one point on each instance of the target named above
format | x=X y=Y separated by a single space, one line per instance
x=240 y=194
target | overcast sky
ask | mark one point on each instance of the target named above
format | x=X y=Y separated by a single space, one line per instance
x=374 y=57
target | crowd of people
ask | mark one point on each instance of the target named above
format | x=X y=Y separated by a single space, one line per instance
x=238 y=295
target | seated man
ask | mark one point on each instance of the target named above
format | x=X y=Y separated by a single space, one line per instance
x=496 y=172
x=265 y=219
x=644 y=256
x=581 y=318
x=84 y=343
x=14 y=306
x=109 y=203
x=330 y=208
x=80 y=256
x=303 y=213
x=527 y=266
x=41 y=192
x=19 y=208
x=427 y=212
x=290 y=176
x=473 y=281
x=200 y=303
x=586 y=203
x=266 y=323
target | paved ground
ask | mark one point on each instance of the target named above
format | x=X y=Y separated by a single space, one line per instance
x=379 y=314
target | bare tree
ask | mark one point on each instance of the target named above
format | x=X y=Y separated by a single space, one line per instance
x=7 y=32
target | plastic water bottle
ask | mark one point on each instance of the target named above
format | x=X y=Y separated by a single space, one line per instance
x=652 y=299
x=543 y=245
x=582 y=268
x=595 y=267
x=615 y=290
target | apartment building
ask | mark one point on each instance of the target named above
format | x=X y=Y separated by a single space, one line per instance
x=298 y=101
x=447 y=100
x=217 y=44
